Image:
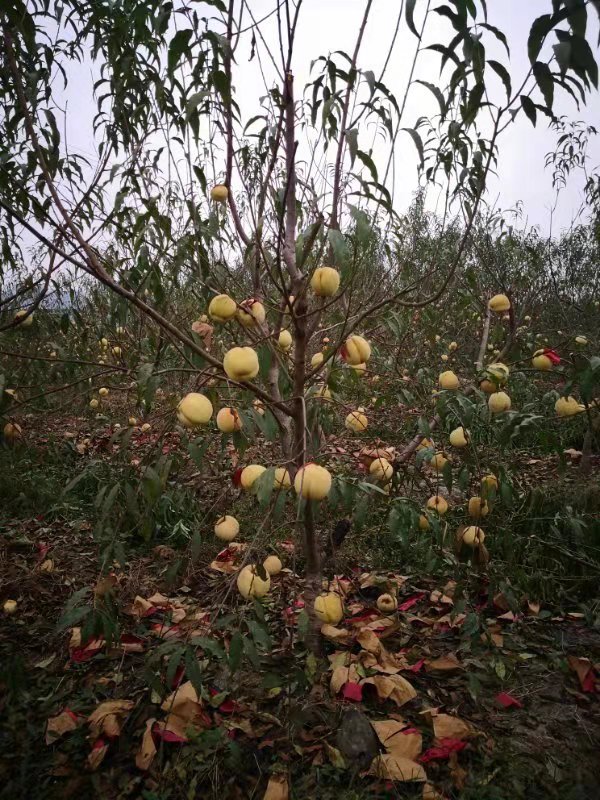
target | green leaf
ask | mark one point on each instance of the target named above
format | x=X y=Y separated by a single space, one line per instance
x=409 y=14
x=435 y=90
x=193 y=671
x=341 y=253
x=179 y=45
x=193 y=103
x=416 y=137
x=260 y=635
x=263 y=487
x=539 y=30
x=529 y=108
x=474 y=103
x=369 y=163
x=545 y=81
x=352 y=139
x=503 y=74
x=236 y=651
x=562 y=53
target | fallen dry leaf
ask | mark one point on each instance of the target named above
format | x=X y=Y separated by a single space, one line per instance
x=184 y=703
x=277 y=788
x=398 y=739
x=397 y=768
x=445 y=726
x=62 y=723
x=334 y=634
x=107 y=719
x=447 y=663
x=97 y=753
x=393 y=687
x=584 y=669
x=147 y=751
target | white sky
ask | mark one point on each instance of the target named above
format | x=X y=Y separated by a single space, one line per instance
x=328 y=25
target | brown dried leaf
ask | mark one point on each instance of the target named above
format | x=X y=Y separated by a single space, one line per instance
x=445 y=726
x=184 y=702
x=277 y=788
x=147 y=751
x=394 y=687
x=60 y=724
x=334 y=634
x=108 y=717
x=397 y=768
x=448 y=663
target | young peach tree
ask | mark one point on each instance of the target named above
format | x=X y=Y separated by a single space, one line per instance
x=267 y=222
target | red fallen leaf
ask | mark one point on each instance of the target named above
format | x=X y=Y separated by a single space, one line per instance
x=406 y=731
x=366 y=617
x=167 y=736
x=237 y=477
x=131 y=643
x=417 y=666
x=444 y=750
x=352 y=691
x=42 y=548
x=151 y=612
x=508 y=701
x=552 y=355
x=589 y=682
x=412 y=601
x=228 y=706
x=178 y=677
x=87 y=651
x=225 y=555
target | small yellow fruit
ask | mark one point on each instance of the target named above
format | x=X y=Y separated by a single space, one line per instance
x=568 y=407
x=425 y=444
x=489 y=484
x=381 y=469
x=581 y=341
x=94 y=403
x=104 y=342
x=329 y=608
x=12 y=431
x=357 y=421
x=498 y=402
x=227 y=528
x=194 y=409
x=312 y=482
x=438 y=503
x=251 y=313
x=325 y=281
x=424 y=523
x=360 y=369
x=478 y=507
x=120 y=331
x=228 y=420
x=317 y=360
x=282 y=478
x=145 y=427
x=241 y=364
x=273 y=565
x=453 y=346
x=473 y=536
x=460 y=437
x=284 y=342
x=387 y=603
x=250 y=474
x=438 y=462
x=250 y=584
x=132 y=422
x=22 y=320
x=10 y=606
x=499 y=303
x=116 y=351
x=323 y=393
x=448 y=380
x=444 y=357
x=356 y=350
x=222 y=308
x=437 y=338
x=527 y=318
x=219 y=193
x=541 y=361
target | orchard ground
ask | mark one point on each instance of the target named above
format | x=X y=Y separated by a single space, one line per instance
x=500 y=655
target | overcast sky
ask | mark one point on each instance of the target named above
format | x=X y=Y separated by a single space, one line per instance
x=329 y=25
